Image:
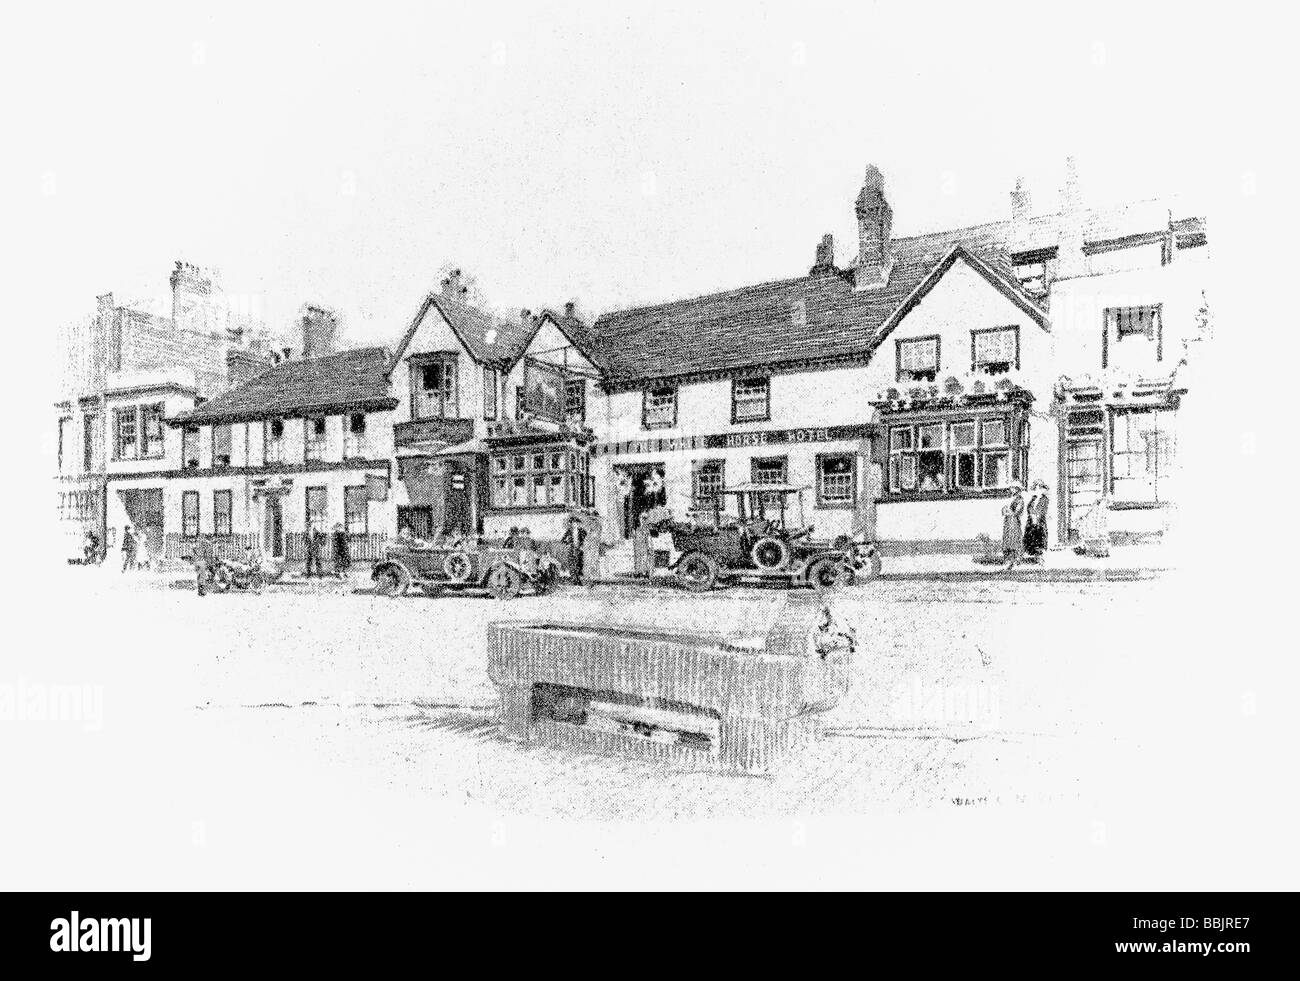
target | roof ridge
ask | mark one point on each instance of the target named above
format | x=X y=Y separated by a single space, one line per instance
x=720 y=294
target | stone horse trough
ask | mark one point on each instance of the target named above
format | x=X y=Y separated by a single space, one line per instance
x=684 y=698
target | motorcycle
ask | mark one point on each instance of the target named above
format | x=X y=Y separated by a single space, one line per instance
x=228 y=574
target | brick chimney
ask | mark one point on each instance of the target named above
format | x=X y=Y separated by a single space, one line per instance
x=195 y=297
x=1021 y=205
x=319 y=330
x=875 y=219
x=824 y=262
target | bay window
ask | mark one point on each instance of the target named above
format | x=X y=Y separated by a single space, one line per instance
x=138 y=432
x=540 y=477
x=956 y=455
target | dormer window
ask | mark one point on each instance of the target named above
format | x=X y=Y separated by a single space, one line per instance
x=917 y=358
x=659 y=410
x=995 y=351
x=1033 y=270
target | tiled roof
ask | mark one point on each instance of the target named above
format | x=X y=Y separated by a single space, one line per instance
x=354 y=379
x=765 y=324
x=488 y=339
x=757 y=325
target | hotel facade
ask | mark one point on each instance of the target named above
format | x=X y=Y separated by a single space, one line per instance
x=905 y=391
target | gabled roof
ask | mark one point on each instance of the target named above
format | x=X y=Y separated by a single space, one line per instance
x=814 y=318
x=488 y=339
x=576 y=332
x=1003 y=280
x=355 y=380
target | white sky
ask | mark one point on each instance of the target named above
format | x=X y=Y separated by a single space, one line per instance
x=616 y=155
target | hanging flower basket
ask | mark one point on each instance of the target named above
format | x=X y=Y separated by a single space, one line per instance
x=953 y=385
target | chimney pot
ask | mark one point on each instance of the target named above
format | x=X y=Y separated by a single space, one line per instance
x=569 y=308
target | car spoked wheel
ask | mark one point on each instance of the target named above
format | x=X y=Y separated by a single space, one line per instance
x=504 y=583
x=770 y=553
x=458 y=567
x=828 y=574
x=697 y=572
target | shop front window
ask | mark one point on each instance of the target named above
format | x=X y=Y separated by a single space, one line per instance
x=956 y=455
x=543 y=477
x=1142 y=455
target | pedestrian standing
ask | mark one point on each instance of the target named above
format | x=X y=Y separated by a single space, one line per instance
x=204 y=562
x=1012 y=534
x=575 y=536
x=1036 y=522
x=128 y=548
x=342 y=553
x=312 y=545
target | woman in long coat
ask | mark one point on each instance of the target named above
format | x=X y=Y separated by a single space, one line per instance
x=1036 y=521
x=1012 y=534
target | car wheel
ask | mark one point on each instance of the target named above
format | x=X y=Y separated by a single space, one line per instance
x=391 y=581
x=697 y=572
x=770 y=553
x=504 y=582
x=828 y=574
x=458 y=567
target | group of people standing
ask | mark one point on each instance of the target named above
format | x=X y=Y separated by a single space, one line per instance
x=340 y=552
x=1024 y=524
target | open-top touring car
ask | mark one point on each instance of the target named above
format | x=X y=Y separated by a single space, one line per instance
x=503 y=572
x=761 y=542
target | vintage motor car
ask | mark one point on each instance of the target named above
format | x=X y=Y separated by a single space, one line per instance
x=761 y=541
x=503 y=572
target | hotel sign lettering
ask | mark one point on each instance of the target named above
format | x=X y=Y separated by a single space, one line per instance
x=732 y=441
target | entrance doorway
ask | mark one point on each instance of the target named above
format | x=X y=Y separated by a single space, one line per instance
x=144 y=509
x=1083 y=480
x=641 y=488
x=273 y=525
